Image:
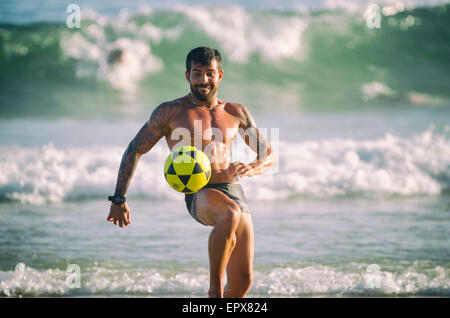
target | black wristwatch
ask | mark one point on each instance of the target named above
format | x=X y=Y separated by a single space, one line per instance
x=117 y=199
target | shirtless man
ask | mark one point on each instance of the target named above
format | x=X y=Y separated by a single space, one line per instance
x=221 y=203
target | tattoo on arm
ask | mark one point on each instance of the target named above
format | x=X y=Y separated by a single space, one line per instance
x=257 y=142
x=145 y=139
x=252 y=136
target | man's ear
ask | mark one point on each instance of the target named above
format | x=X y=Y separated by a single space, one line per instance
x=220 y=75
x=187 y=76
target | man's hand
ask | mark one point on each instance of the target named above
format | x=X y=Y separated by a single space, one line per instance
x=119 y=214
x=239 y=169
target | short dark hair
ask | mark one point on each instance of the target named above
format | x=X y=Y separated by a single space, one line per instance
x=203 y=55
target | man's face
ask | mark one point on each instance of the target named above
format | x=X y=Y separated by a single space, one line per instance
x=204 y=80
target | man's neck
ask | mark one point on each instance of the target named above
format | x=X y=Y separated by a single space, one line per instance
x=207 y=104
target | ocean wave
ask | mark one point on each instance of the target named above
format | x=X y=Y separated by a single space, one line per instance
x=389 y=166
x=242 y=33
x=380 y=91
x=322 y=58
x=384 y=167
x=358 y=279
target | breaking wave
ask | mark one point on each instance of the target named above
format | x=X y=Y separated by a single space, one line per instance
x=387 y=166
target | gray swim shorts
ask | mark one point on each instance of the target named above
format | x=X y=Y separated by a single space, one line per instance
x=232 y=190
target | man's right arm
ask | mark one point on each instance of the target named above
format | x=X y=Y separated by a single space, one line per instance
x=145 y=139
x=152 y=131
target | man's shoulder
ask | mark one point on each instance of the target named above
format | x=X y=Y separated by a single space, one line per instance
x=236 y=109
x=233 y=105
x=165 y=111
x=171 y=104
x=241 y=113
x=169 y=107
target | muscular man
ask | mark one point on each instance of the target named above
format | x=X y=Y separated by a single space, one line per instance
x=221 y=203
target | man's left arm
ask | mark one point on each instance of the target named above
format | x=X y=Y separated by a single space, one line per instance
x=257 y=142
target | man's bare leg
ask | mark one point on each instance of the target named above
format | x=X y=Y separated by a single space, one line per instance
x=240 y=264
x=220 y=247
x=216 y=209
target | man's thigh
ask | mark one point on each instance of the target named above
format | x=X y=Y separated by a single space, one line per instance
x=211 y=204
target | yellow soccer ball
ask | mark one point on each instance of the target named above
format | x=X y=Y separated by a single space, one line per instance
x=187 y=169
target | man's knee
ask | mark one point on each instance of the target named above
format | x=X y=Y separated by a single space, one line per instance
x=247 y=279
x=240 y=285
x=230 y=217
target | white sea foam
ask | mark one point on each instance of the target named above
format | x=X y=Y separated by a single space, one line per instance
x=375 y=89
x=123 y=60
x=389 y=7
x=327 y=280
x=243 y=34
x=391 y=165
x=378 y=90
x=299 y=280
x=133 y=64
x=48 y=174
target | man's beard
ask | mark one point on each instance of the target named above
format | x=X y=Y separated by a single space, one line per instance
x=204 y=97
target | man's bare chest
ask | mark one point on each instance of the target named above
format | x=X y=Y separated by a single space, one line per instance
x=216 y=125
